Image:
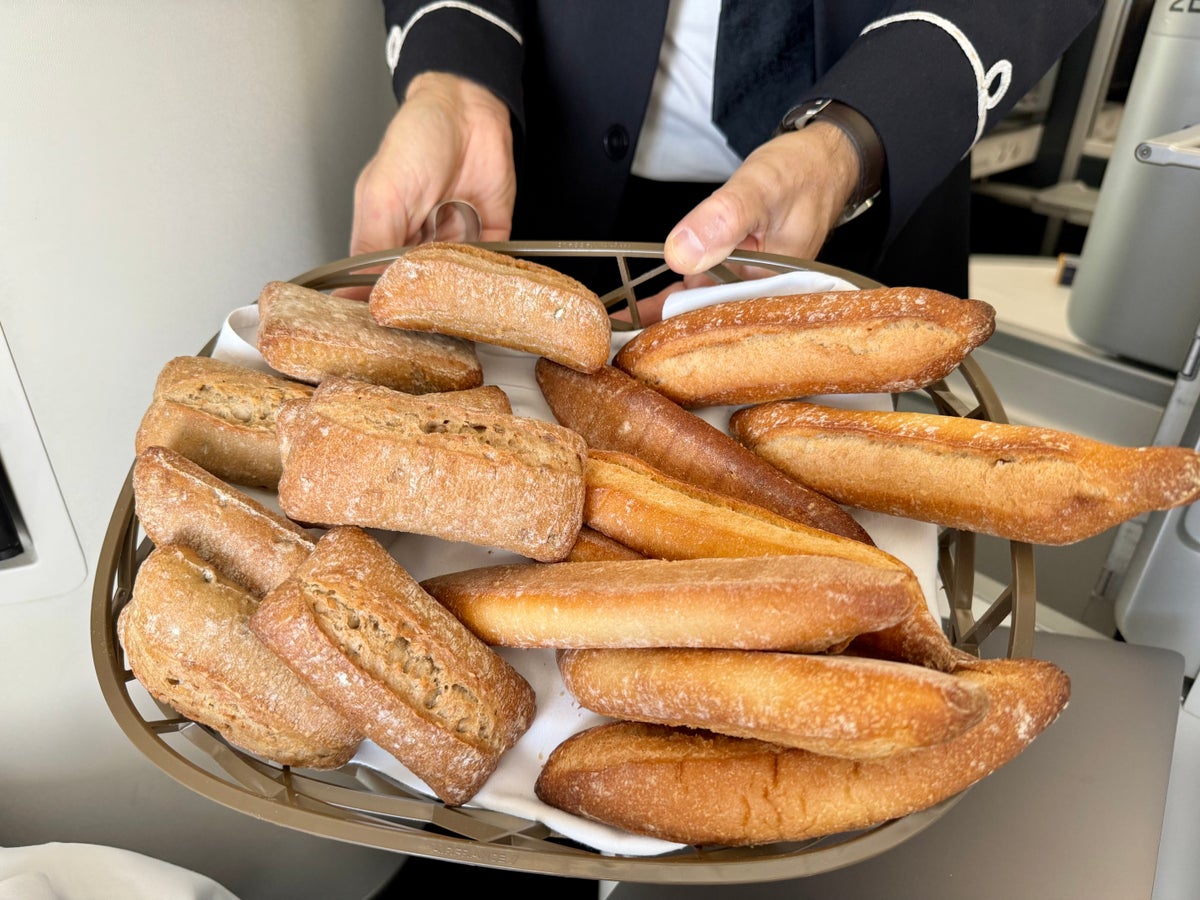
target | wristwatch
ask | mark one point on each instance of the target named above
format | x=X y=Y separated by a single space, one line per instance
x=861 y=134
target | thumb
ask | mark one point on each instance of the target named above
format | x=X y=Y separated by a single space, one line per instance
x=710 y=232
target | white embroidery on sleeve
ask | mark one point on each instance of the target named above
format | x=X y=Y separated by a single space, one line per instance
x=990 y=85
x=397 y=34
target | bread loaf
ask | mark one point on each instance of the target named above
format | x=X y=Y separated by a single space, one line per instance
x=839 y=342
x=405 y=463
x=355 y=626
x=221 y=416
x=485 y=398
x=802 y=603
x=187 y=639
x=614 y=411
x=695 y=787
x=178 y=502
x=848 y=706
x=1021 y=483
x=311 y=336
x=593 y=546
x=481 y=295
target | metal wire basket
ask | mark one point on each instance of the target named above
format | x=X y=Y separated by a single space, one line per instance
x=358 y=805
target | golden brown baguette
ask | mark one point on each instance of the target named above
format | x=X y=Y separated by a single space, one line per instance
x=178 y=502
x=1036 y=485
x=694 y=787
x=384 y=459
x=847 y=706
x=841 y=342
x=187 y=639
x=614 y=411
x=221 y=416
x=481 y=295
x=355 y=626
x=802 y=603
x=593 y=546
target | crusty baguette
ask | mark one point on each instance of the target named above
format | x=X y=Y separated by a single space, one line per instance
x=840 y=342
x=384 y=459
x=802 y=603
x=695 y=787
x=593 y=546
x=493 y=298
x=221 y=416
x=187 y=639
x=614 y=411
x=309 y=335
x=849 y=706
x=355 y=626
x=1036 y=485
x=178 y=502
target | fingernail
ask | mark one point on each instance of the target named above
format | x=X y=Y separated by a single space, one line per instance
x=686 y=246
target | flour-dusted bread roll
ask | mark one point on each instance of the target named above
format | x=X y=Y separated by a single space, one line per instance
x=839 y=342
x=696 y=787
x=187 y=639
x=310 y=336
x=178 y=502
x=493 y=298
x=221 y=416
x=1022 y=483
x=849 y=706
x=384 y=459
x=355 y=626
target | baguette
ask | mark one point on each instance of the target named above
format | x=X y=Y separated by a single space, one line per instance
x=1022 y=483
x=311 y=336
x=695 y=787
x=383 y=459
x=614 y=411
x=593 y=546
x=845 y=706
x=493 y=298
x=841 y=342
x=221 y=416
x=355 y=626
x=801 y=603
x=187 y=639
x=178 y=502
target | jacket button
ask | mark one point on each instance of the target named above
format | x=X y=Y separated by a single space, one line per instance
x=616 y=142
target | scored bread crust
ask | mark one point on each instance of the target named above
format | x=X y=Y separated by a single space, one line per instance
x=493 y=298
x=848 y=706
x=187 y=639
x=695 y=787
x=1022 y=483
x=882 y=340
x=310 y=336
x=356 y=627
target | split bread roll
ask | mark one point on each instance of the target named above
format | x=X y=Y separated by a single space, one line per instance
x=355 y=626
x=187 y=639
x=695 y=787
x=221 y=416
x=840 y=342
x=493 y=298
x=801 y=603
x=367 y=456
x=847 y=706
x=310 y=336
x=1022 y=483
x=178 y=502
x=614 y=411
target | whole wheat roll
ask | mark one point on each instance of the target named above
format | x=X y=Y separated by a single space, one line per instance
x=696 y=787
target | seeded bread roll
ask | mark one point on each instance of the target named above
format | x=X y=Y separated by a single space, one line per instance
x=695 y=787
x=355 y=626
x=311 y=336
x=480 y=295
x=1021 y=483
x=847 y=706
x=841 y=342
x=221 y=416
x=381 y=459
x=187 y=639
x=178 y=502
